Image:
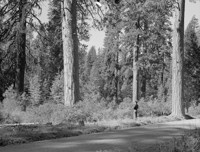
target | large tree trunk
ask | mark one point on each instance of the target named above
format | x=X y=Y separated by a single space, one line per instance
x=21 y=48
x=70 y=52
x=177 y=61
x=136 y=72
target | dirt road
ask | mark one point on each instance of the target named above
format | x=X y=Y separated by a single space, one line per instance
x=121 y=139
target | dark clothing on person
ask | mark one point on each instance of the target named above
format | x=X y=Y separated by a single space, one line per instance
x=135 y=110
x=136 y=107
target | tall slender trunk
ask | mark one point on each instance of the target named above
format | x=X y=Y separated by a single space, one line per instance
x=136 y=72
x=177 y=61
x=70 y=52
x=21 y=48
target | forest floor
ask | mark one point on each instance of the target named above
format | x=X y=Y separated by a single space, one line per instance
x=18 y=133
x=143 y=138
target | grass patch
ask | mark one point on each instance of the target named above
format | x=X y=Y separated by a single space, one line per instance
x=23 y=134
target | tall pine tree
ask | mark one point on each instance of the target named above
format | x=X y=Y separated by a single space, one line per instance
x=192 y=62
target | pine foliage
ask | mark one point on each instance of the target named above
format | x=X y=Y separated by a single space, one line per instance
x=57 y=89
x=35 y=90
x=192 y=63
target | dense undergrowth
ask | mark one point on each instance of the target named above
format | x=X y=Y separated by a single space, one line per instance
x=84 y=111
x=90 y=110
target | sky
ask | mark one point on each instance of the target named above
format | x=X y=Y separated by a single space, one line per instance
x=97 y=37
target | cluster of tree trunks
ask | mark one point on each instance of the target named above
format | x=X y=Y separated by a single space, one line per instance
x=70 y=55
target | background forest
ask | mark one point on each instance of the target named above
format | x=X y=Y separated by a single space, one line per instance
x=134 y=63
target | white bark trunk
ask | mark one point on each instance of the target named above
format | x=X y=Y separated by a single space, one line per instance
x=136 y=72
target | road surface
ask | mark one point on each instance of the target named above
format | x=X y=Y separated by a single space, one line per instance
x=143 y=137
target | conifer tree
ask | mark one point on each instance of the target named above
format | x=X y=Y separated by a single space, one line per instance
x=18 y=14
x=89 y=62
x=192 y=62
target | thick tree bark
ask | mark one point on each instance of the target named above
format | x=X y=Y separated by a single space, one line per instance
x=177 y=61
x=70 y=52
x=136 y=72
x=21 y=48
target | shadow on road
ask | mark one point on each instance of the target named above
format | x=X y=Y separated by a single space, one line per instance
x=122 y=139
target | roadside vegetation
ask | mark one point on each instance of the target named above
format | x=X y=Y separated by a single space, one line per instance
x=187 y=143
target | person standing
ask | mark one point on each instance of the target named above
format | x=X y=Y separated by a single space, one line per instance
x=135 y=115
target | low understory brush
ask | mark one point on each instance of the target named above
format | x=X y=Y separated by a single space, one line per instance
x=85 y=111
x=19 y=109
x=194 y=110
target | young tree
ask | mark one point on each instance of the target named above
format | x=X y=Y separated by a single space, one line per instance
x=177 y=61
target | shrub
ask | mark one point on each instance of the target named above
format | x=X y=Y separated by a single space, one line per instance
x=35 y=90
x=41 y=114
x=194 y=110
x=56 y=114
x=99 y=110
x=77 y=114
x=11 y=100
x=57 y=89
x=154 y=108
x=12 y=106
x=125 y=109
x=92 y=108
x=16 y=116
x=59 y=114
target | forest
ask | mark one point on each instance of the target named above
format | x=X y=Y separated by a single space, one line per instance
x=49 y=75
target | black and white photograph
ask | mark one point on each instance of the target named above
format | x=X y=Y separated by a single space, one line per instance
x=99 y=76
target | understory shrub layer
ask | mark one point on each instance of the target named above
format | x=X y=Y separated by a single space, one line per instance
x=85 y=111
x=18 y=109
